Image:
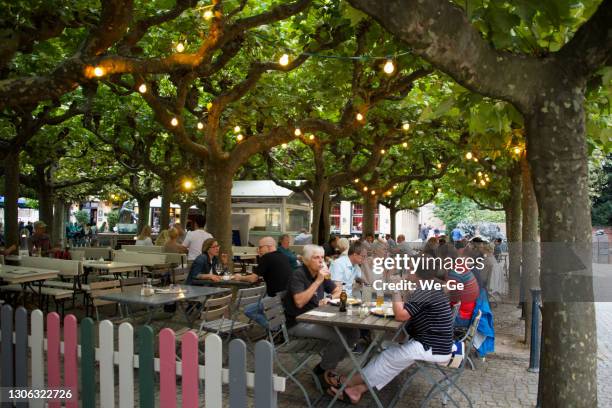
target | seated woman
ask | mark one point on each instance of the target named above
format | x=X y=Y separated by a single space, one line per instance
x=205 y=266
x=171 y=245
x=467 y=296
x=144 y=238
x=162 y=238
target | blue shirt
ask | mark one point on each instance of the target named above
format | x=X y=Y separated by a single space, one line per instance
x=201 y=266
x=293 y=261
x=342 y=270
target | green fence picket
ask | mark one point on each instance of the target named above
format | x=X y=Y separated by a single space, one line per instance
x=145 y=367
x=88 y=363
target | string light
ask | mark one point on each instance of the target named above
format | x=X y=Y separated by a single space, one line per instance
x=311 y=137
x=187 y=184
x=469 y=155
x=356 y=180
x=208 y=14
x=236 y=128
x=517 y=150
x=142 y=88
x=439 y=190
x=200 y=125
x=389 y=67
x=284 y=145
x=480 y=174
x=475 y=182
x=174 y=122
x=180 y=47
x=475 y=160
x=439 y=165
x=406 y=126
x=239 y=137
x=365 y=188
x=416 y=192
x=405 y=144
x=359 y=117
x=395 y=186
x=99 y=71
x=483 y=183
x=297 y=132
x=284 y=60
x=373 y=192
x=382 y=151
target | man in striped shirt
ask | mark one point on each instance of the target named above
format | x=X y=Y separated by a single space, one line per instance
x=430 y=325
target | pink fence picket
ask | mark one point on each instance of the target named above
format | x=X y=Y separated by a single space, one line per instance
x=189 y=357
x=167 y=369
x=71 y=373
x=53 y=355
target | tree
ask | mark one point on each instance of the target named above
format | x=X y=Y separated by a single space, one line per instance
x=442 y=33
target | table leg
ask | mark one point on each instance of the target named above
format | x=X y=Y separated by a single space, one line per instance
x=357 y=367
x=40 y=284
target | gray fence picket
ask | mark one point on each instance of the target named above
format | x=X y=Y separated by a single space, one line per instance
x=21 y=351
x=237 y=374
x=265 y=397
x=7 y=351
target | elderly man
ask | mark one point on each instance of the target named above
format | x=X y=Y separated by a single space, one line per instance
x=39 y=240
x=306 y=290
x=274 y=268
x=346 y=268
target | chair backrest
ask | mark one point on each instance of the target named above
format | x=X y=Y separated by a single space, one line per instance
x=275 y=314
x=244 y=250
x=132 y=284
x=249 y=296
x=469 y=337
x=64 y=266
x=148 y=249
x=455 y=310
x=97 y=289
x=216 y=308
x=149 y=259
x=180 y=274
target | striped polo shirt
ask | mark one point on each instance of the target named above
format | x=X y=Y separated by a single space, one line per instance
x=431 y=320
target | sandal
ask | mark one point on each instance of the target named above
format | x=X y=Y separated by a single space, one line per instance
x=329 y=379
x=344 y=397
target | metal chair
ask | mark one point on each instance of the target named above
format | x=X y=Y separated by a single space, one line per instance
x=450 y=376
x=278 y=336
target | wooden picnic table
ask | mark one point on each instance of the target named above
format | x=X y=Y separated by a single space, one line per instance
x=112 y=267
x=26 y=276
x=329 y=315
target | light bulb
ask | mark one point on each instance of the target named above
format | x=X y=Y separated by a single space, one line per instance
x=482 y=182
x=439 y=165
x=356 y=180
x=405 y=144
x=359 y=117
x=439 y=190
x=517 y=150
x=208 y=14
x=174 y=122
x=297 y=132
x=416 y=192
x=469 y=155
x=284 y=60
x=395 y=187
x=142 y=88
x=236 y=128
x=311 y=137
x=200 y=125
x=180 y=47
x=99 y=71
x=406 y=126
x=475 y=159
x=239 y=137
x=382 y=151
x=284 y=145
x=389 y=67
x=373 y=192
x=365 y=188
x=187 y=184
x=480 y=174
x=475 y=182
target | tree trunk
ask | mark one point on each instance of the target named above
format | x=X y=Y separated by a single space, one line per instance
x=45 y=207
x=557 y=153
x=319 y=192
x=324 y=225
x=370 y=201
x=514 y=235
x=58 y=234
x=530 y=268
x=11 y=195
x=184 y=213
x=393 y=213
x=144 y=208
x=219 y=204
x=167 y=193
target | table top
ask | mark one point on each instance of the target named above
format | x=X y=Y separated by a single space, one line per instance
x=231 y=282
x=111 y=265
x=369 y=322
x=23 y=274
x=158 y=299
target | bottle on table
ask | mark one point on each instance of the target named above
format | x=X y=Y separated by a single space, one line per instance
x=343 y=299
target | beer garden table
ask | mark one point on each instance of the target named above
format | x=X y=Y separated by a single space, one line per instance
x=26 y=276
x=329 y=315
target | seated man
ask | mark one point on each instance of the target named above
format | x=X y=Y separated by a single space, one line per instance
x=430 y=326
x=346 y=268
x=306 y=291
x=39 y=240
x=467 y=296
x=274 y=268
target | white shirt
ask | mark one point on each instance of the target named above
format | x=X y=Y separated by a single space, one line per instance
x=342 y=270
x=193 y=241
x=146 y=242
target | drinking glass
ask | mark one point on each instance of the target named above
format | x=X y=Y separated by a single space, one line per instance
x=366 y=295
x=380 y=298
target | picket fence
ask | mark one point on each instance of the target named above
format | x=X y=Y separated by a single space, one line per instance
x=21 y=369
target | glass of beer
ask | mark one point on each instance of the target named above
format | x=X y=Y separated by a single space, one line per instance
x=380 y=298
x=366 y=294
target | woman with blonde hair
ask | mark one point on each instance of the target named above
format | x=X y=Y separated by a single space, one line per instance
x=162 y=238
x=172 y=246
x=342 y=246
x=144 y=238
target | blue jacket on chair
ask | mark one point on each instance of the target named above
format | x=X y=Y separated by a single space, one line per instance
x=484 y=340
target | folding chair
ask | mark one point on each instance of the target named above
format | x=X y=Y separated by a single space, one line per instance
x=278 y=336
x=450 y=376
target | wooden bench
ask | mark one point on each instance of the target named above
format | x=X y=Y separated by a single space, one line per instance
x=58 y=295
x=155 y=264
x=92 y=253
x=148 y=249
x=68 y=269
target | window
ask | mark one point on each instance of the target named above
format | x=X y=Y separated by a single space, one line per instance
x=296 y=219
x=264 y=219
x=356 y=218
x=334 y=218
